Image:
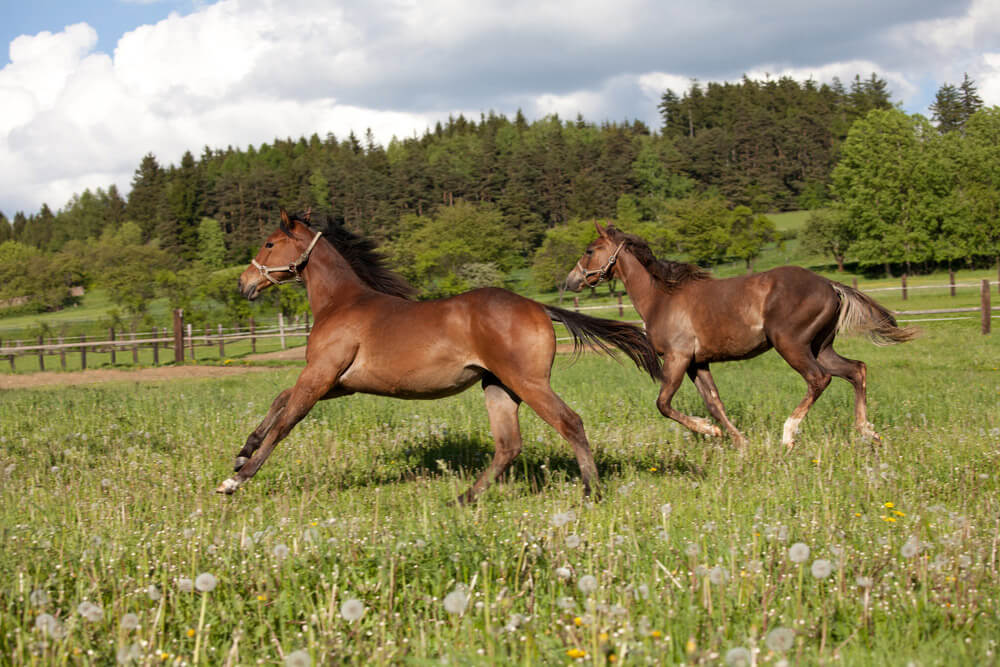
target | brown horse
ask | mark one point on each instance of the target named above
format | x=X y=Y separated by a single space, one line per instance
x=693 y=320
x=368 y=337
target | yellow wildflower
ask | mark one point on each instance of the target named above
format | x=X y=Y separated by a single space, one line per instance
x=576 y=653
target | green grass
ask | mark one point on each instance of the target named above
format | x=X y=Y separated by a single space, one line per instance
x=108 y=490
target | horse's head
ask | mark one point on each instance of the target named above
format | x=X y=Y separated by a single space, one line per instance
x=599 y=260
x=282 y=256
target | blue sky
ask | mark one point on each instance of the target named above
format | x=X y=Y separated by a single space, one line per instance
x=89 y=87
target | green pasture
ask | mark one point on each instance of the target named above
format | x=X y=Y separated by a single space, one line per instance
x=345 y=549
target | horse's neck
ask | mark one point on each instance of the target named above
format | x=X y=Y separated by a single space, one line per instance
x=329 y=278
x=640 y=285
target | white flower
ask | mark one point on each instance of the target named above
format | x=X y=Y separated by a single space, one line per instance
x=738 y=657
x=206 y=582
x=300 y=658
x=456 y=602
x=153 y=592
x=572 y=541
x=38 y=598
x=564 y=572
x=718 y=576
x=911 y=548
x=780 y=640
x=280 y=551
x=798 y=552
x=587 y=584
x=352 y=610
x=130 y=622
x=821 y=568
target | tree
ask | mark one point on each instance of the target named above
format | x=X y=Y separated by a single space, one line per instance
x=749 y=234
x=969 y=98
x=702 y=225
x=146 y=199
x=129 y=281
x=560 y=250
x=211 y=244
x=946 y=109
x=828 y=232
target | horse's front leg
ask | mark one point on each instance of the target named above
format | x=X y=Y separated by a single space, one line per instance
x=310 y=388
x=258 y=434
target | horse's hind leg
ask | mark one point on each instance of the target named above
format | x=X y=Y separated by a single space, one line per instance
x=257 y=436
x=856 y=373
x=702 y=379
x=801 y=358
x=673 y=374
x=502 y=405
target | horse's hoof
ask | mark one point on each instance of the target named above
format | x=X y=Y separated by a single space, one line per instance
x=228 y=486
x=240 y=462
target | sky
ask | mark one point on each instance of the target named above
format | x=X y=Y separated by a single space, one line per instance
x=88 y=87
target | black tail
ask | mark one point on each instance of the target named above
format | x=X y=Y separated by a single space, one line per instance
x=596 y=334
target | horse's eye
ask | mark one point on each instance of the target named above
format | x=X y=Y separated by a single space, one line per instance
x=589 y=252
x=268 y=245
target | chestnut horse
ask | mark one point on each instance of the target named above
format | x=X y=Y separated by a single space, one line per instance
x=369 y=337
x=693 y=320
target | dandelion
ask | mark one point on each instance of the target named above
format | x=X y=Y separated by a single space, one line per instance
x=738 y=657
x=90 y=611
x=717 y=576
x=352 y=610
x=572 y=541
x=798 y=552
x=755 y=566
x=911 y=548
x=562 y=518
x=666 y=509
x=185 y=585
x=780 y=640
x=153 y=592
x=129 y=622
x=576 y=653
x=205 y=582
x=456 y=602
x=300 y=658
x=191 y=632
x=127 y=654
x=38 y=598
x=692 y=549
x=821 y=568
x=587 y=584
x=280 y=551
x=863 y=582
x=49 y=625
x=564 y=573
x=566 y=603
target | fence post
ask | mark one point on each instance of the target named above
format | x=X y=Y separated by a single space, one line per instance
x=41 y=354
x=179 y=336
x=62 y=354
x=621 y=308
x=222 y=344
x=10 y=357
x=156 y=347
x=83 y=352
x=576 y=303
x=253 y=337
x=111 y=335
x=281 y=329
x=135 y=347
x=308 y=323
x=904 y=286
x=987 y=311
x=951 y=280
x=190 y=334
x=854 y=283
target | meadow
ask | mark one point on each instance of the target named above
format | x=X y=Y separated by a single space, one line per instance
x=345 y=548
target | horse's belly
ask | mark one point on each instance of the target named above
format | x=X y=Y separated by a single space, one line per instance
x=431 y=381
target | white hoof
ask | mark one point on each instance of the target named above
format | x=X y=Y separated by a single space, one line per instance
x=788 y=434
x=228 y=486
x=702 y=425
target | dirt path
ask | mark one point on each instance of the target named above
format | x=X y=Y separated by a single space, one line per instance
x=29 y=380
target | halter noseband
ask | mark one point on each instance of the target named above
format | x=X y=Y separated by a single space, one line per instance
x=601 y=273
x=292 y=268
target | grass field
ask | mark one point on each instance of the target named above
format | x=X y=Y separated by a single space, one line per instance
x=345 y=549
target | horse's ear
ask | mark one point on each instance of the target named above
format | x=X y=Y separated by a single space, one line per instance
x=286 y=224
x=601 y=230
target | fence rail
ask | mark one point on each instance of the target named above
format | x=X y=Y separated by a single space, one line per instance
x=183 y=341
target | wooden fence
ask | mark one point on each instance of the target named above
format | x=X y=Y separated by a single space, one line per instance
x=166 y=346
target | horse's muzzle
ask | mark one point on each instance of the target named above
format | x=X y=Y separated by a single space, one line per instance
x=249 y=291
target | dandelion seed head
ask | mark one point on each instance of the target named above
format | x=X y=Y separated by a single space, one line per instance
x=566 y=603
x=49 y=625
x=456 y=601
x=564 y=573
x=280 y=551
x=738 y=657
x=717 y=576
x=90 y=611
x=798 y=552
x=780 y=640
x=206 y=582
x=153 y=592
x=128 y=654
x=300 y=658
x=129 y=621
x=863 y=582
x=352 y=610
x=910 y=548
x=185 y=585
x=572 y=541
x=692 y=549
x=821 y=568
x=38 y=598
x=587 y=584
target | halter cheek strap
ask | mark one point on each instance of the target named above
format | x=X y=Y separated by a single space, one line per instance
x=292 y=268
x=601 y=273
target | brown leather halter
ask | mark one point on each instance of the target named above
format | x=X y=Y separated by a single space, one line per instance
x=602 y=273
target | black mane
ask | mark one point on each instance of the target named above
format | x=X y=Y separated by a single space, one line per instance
x=363 y=256
x=668 y=274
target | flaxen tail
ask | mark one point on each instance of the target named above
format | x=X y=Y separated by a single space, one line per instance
x=600 y=334
x=859 y=313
